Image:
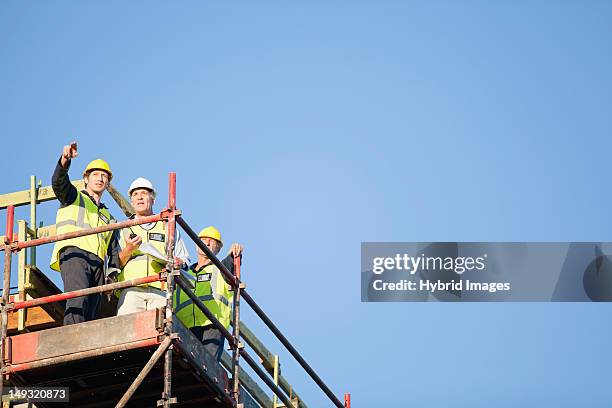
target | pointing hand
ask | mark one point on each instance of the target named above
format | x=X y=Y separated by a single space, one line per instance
x=69 y=152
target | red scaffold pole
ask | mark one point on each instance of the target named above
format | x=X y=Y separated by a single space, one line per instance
x=86 y=292
x=10 y=219
x=96 y=230
x=167 y=400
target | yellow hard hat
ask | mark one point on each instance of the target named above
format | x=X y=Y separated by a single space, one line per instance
x=211 y=232
x=98 y=164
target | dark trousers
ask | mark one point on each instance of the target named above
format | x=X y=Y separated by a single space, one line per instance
x=211 y=338
x=81 y=270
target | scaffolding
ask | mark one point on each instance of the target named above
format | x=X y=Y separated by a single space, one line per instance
x=188 y=376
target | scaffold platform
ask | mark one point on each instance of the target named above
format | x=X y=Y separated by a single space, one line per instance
x=98 y=361
x=143 y=359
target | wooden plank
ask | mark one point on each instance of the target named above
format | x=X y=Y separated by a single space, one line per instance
x=46 y=231
x=23 y=197
x=37 y=284
x=37 y=319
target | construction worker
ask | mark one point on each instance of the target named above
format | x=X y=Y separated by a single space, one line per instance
x=143 y=253
x=212 y=289
x=81 y=260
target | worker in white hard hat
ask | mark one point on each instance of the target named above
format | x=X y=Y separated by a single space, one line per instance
x=143 y=253
x=81 y=260
x=212 y=289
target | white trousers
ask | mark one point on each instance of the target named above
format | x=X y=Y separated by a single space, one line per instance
x=139 y=299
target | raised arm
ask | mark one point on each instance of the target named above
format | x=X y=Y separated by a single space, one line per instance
x=65 y=192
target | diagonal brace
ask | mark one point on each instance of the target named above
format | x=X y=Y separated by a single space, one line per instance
x=145 y=371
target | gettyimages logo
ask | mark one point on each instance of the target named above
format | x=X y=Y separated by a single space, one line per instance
x=414 y=264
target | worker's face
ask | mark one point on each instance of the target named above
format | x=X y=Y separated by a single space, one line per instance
x=213 y=244
x=97 y=181
x=142 y=200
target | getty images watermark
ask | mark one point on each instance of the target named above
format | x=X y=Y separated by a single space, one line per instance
x=484 y=271
x=414 y=264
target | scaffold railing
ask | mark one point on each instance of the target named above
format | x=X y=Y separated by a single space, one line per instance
x=172 y=277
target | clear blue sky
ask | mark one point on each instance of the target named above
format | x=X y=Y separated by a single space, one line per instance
x=302 y=129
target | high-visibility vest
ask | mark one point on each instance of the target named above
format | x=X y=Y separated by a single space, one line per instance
x=82 y=214
x=141 y=264
x=212 y=290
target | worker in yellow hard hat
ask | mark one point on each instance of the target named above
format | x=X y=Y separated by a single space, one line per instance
x=144 y=253
x=81 y=260
x=212 y=289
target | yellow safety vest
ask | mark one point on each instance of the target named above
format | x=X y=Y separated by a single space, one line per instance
x=82 y=214
x=141 y=264
x=210 y=288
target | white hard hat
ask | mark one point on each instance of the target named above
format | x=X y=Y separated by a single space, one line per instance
x=141 y=182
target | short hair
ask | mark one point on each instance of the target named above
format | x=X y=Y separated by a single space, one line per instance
x=152 y=192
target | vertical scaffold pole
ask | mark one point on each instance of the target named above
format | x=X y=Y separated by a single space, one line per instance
x=33 y=201
x=22 y=233
x=276 y=372
x=236 y=333
x=167 y=399
x=10 y=218
x=347 y=400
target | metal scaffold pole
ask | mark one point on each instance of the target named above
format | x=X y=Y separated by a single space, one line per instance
x=167 y=399
x=33 y=198
x=236 y=334
x=10 y=216
x=89 y=231
x=145 y=371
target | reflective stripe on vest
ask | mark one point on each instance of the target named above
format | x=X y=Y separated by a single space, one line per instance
x=141 y=264
x=83 y=213
x=215 y=295
x=203 y=298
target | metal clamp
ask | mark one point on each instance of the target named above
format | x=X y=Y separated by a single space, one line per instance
x=164 y=401
x=231 y=347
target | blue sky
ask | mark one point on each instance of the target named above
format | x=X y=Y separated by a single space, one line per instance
x=303 y=129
